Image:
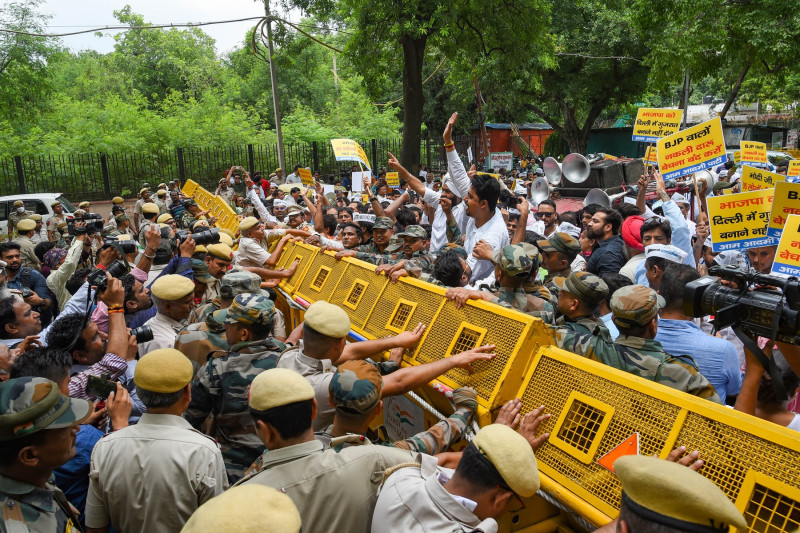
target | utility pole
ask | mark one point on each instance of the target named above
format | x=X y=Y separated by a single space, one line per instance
x=274 y=77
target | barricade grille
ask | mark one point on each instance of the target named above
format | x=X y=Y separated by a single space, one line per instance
x=319 y=279
x=323 y=275
x=581 y=426
x=770 y=511
x=428 y=303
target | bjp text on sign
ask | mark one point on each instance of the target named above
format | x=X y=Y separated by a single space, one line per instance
x=794 y=168
x=754 y=153
x=654 y=124
x=754 y=179
x=785 y=204
x=692 y=150
x=392 y=179
x=740 y=220
x=787 y=258
x=651 y=156
x=305 y=176
x=348 y=150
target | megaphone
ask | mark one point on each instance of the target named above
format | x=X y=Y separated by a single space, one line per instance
x=552 y=170
x=575 y=168
x=540 y=190
x=601 y=197
x=706 y=176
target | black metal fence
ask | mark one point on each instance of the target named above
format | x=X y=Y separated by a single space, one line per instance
x=102 y=176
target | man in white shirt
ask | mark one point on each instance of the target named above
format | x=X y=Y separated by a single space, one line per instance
x=294 y=177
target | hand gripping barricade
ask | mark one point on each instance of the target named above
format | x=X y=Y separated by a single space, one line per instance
x=216 y=206
x=595 y=408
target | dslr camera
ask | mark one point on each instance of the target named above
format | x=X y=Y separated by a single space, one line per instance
x=94 y=224
x=127 y=246
x=203 y=237
x=97 y=278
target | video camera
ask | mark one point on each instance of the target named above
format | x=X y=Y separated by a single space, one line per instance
x=97 y=278
x=754 y=305
x=94 y=224
x=203 y=237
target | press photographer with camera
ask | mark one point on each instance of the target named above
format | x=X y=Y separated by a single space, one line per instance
x=57 y=280
x=30 y=283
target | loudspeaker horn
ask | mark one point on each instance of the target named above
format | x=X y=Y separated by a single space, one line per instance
x=599 y=196
x=552 y=170
x=540 y=190
x=575 y=168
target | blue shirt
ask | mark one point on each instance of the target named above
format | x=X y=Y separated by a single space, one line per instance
x=38 y=284
x=716 y=358
x=613 y=332
x=73 y=476
x=608 y=257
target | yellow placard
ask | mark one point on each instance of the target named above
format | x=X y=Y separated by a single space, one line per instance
x=653 y=124
x=305 y=176
x=651 y=156
x=740 y=221
x=692 y=150
x=794 y=168
x=393 y=179
x=754 y=179
x=349 y=150
x=754 y=152
x=737 y=156
x=787 y=258
x=785 y=204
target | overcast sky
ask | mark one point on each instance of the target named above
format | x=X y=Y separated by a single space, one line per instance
x=74 y=15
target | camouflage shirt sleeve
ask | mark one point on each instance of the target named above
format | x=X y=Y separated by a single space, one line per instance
x=440 y=436
x=453 y=232
x=205 y=393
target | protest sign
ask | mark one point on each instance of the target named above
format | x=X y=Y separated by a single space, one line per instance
x=357 y=181
x=754 y=179
x=392 y=179
x=740 y=221
x=785 y=203
x=787 y=258
x=754 y=153
x=654 y=124
x=692 y=150
x=348 y=150
x=328 y=189
x=794 y=168
x=737 y=156
x=469 y=154
x=498 y=160
x=305 y=176
x=651 y=156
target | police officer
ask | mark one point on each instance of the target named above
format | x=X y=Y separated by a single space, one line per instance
x=173 y=296
x=38 y=427
x=53 y=234
x=26 y=229
x=144 y=196
x=579 y=294
x=161 y=196
x=149 y=214
x=18 y=213
x=222 y=384
x=218 y=260
x=249 y=507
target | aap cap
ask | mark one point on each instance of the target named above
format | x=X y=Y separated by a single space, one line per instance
x=247 y=223
x=632 y=232
x=172 y=287
x=280 y=203
x=250 y=508
x=220 y=251
x=328 y=319
x=709 y=242
x=29 y=404
x=635 y=305
x=586 y=287
x=665 y=251
x=364 y=217
x=200 y=272
x=26 y=224
x=514 y=260
x=166 y=370
x=248 y=309
x=675 y=496
x=414 y=231
x=238 y=282
x=561 y=242
x=277 y=387
x=165 y=218
x=150 y=209
x=570 y=229
x=731 y=258
x=118 y=200
x=511 y=455
x=678 y=198
x=356 y=387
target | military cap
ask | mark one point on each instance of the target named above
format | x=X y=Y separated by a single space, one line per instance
x=120 y=219
x=189 y=202
x=394 y=244
x=514 y=260
x=220 y=251
x=294 y=209
x=511 y=454
x=454 y=247
x=84 y=205
x=118 y=200
x=238 y=282
x=665 y=251
x=116 y=208
x=26 y=224
x=248 y=309
x=249 y=508
x=247 y=223
x=150 y=208
x=35 y=217
x=200 y=272
x=226 y=239
x=674 y=496
x=561 y=242
x=18 y=203
x=52 y=204
x=586 y=287
x=277 y=387
x=414 y=231
x=718 y=186
x=635 y=305
x=30 y=404
x=144 y=190
x=356 y=387
x=172 y=287
x=382 y=223
x=146 y=185
x=165 y=218
x=166 y=370
x=328 y=319
x=161 y=192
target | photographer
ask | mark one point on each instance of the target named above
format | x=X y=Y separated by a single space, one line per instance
x=31 y=283
x=57 y=280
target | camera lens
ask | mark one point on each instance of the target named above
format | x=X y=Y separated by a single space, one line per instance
x=142 y=334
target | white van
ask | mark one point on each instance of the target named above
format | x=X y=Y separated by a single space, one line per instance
x=35 y=203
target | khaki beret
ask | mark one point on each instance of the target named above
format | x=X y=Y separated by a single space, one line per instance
x=53 y=204
x=172 y=287
x=200 y=224
x=247 y=223
x=222 y=251
x=35 y=217
x=84 y=205
x=26 y=224
x=124 y=237
x=118 y=200
x=165 y=370
x=226 y=239
x=162 y=219
x=161 y=192
x=250 y=508
x=328 y=319
x=146 y=189
x=512 y=456
x=18 y=203
x=227 y=232
x=200 y=248
x=150 y=209
x=673 y=495
x=277 y=387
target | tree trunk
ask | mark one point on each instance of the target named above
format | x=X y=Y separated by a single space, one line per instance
x=413 y=101
x=734 y=91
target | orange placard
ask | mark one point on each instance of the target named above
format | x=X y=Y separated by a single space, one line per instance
x=629 y=446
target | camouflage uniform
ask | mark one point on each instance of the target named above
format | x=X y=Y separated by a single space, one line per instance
x=637 y=305
x=565 y=244
x=29 y=405
x=588 y=289
x=198 y=340
x=221 y=387
x=233 y=283
x=522 y=300
x=517 y=261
